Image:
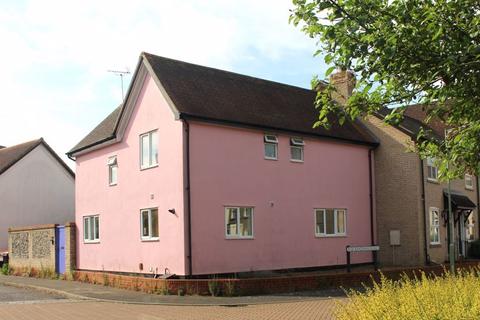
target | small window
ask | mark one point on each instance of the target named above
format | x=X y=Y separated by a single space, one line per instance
x=271 y=147
x=91 y=228
x=434 y=226
x=112 y=170
x=432 y=170
x=149 y=224
x=468 y=181
x=238 y=222
x=296 y=149
x=148 y=150
x=330 y=222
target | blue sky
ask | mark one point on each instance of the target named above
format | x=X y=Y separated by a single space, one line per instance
x=55 y=55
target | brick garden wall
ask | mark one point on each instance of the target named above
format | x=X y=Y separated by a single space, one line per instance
x=252 y=286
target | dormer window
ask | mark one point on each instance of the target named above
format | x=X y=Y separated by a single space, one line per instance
x=271 y=146
x=112 y=170
x=296 y=149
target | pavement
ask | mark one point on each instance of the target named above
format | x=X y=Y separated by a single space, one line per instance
x=29 y=298
x=84 y=291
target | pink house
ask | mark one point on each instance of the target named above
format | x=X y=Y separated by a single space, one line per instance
x=204 y=171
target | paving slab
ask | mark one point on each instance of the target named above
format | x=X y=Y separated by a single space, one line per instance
x=85 y=291
x=13 y=295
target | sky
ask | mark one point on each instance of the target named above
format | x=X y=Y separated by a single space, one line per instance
x=56 y=55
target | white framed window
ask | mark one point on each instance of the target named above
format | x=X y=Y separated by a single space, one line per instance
x=238 y=222
x=91 y=229
x=296 y=149
x=434 y=226
x=330 y=222
x=149 y=224
x=432 y=170
x=470 y=229
x=271 y=146
x=148 y=150
x=112 y=170
x=468 y=181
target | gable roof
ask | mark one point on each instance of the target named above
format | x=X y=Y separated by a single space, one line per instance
x=414 y=121
x=209 y=94
x=11 y=155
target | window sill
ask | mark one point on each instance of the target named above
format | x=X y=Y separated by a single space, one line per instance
x=469 y=188
x=91 y=241
x=150 y=239
x=433 y=180
x=239 y=238
x=330 y=235
x=435 y=245
x=274 y=159
x=112 y=185
x=146 y=168
x=296 y=161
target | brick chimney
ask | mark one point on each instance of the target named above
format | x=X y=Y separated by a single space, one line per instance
x=344 y=81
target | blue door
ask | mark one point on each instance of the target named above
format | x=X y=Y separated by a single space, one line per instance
x=60 y=249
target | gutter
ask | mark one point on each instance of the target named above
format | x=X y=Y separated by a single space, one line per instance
x=424 y=204
x=188 y=196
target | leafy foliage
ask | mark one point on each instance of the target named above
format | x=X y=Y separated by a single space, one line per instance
x=452 y=296
x=405 y=51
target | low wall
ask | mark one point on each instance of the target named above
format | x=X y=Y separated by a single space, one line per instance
x=252 y=286
x=33 y=248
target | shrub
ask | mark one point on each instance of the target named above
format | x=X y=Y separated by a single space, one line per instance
x=230 y=288
x=214 y=287
x=451 y=296
x=5 y=269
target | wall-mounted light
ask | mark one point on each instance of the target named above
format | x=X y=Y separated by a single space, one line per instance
x=172 y=211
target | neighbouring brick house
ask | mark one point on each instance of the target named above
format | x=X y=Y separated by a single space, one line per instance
x=204 y=171
x=36 y=188
x=411 y=202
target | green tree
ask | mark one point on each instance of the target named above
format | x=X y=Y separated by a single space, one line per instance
x=405 y=51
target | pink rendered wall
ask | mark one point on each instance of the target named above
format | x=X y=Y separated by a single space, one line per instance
x=228 y=168
x=121 y=247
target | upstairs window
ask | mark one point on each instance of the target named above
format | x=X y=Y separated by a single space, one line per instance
x=149 y=224
x=271 y=146
x=112 y=170
x=296 y=149
x=330 y=222
x=468 y=181
x=91 y=228
x=432 y=170
x=239 y=222
x=148 y=150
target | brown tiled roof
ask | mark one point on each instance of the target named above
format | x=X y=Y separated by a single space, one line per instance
x=103 y=132
x=210 y=94
x=419 y=113
x=11 y=155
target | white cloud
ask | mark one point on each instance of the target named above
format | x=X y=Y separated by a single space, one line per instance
x=55 y=54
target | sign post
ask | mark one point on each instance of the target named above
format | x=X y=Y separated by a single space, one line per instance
x=349 y=249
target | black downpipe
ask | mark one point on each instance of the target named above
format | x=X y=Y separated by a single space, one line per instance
x=187 y=189
x=424 y=203
x=478 y=201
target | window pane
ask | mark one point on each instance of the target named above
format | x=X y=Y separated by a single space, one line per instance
x=113 y=174
x=246 y=222
x=330 y=221
x=145 y=151
x=231 y=221
x=154 y=149
x=271 y=150
x=320 y=227
x=296 y=153
x=86 y=226
x=145 y=229
x=154 y=215
x=97 y=228
x=341 y=221
x=92 y=228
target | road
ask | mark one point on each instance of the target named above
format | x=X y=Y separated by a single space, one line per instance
x=26 y=304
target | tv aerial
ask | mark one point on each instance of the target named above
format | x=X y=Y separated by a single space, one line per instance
x=121 y=74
